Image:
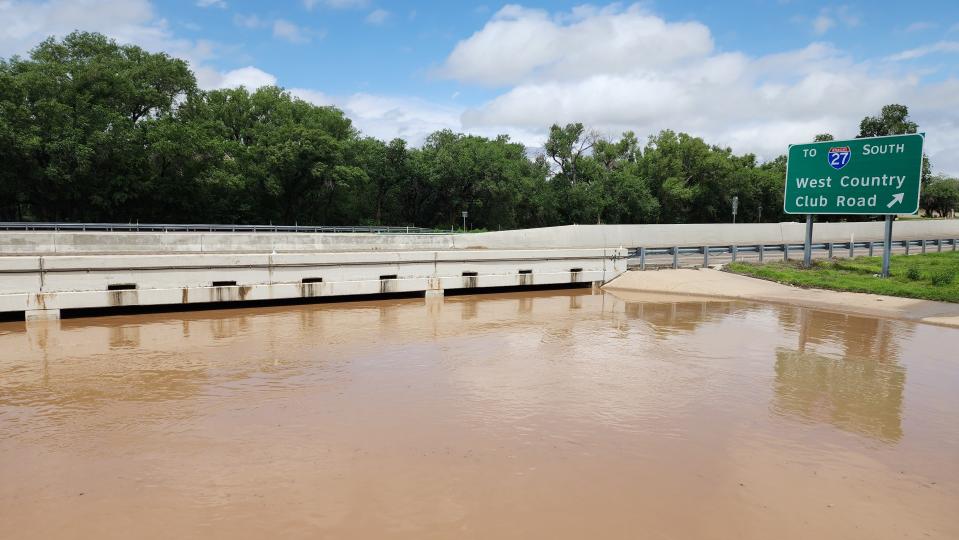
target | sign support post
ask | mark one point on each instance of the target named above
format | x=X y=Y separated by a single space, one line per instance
x=807 y=246
x=887 y=246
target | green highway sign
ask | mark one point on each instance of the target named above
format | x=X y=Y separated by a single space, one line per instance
x=875 y=175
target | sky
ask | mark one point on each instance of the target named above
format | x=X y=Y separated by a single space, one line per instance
x=754 y=75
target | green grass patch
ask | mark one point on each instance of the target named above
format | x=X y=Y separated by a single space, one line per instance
x=933 y=276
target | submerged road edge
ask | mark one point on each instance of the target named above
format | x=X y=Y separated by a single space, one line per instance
x=718 y=284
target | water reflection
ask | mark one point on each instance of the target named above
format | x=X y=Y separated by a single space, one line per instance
x=125 y=336
x=667 y=315
x=844 y=371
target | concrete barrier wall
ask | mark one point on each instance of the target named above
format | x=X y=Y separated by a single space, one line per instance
x=16 y=242
x=629 y=236
x=571 y=236
x=41 y=286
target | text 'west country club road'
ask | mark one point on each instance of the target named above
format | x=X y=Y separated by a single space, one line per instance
x=878 y=175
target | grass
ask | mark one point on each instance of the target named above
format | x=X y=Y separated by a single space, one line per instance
x=933 y=276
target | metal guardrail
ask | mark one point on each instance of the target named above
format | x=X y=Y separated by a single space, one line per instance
x=179 y=227
x=832 y=248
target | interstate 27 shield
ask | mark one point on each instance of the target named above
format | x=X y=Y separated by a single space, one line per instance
x=838 y=156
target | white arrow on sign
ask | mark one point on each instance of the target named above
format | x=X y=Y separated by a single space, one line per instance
x=896 y=198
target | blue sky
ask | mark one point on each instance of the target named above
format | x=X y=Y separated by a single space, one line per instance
x=400 y=53
x=754 y=75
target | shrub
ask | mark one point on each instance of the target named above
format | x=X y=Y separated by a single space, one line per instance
x=913 y=274
x=943 y=278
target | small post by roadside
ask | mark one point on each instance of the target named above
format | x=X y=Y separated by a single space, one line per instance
x=887 y=246
x=807 y=246
x=465 y=213
x=735 y=206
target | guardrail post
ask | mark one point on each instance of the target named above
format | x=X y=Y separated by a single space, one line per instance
x=762 y=248
x=705 y=256
x=733 y=250
x=852 y=249
x=785 y=252
x=907 y=246
x=642 y=258
x=953 y=244
x=870 y=247
x=923 y=244
x=829 y=245
x=675 y=256
x=938 y=245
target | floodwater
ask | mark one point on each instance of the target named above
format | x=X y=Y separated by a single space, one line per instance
x=527 y=415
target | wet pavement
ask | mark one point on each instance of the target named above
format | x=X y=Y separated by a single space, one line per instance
x=562 y=414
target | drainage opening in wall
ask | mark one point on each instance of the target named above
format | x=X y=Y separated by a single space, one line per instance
x=312 y=280
x=122 y=287
x=575 y=270
x=525 y=271
x=388 y=283
x=224 y=284
x=470 y=274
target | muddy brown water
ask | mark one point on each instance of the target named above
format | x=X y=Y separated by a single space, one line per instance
x=527 y=415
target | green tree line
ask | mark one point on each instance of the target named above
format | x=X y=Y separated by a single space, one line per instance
x=91 y=130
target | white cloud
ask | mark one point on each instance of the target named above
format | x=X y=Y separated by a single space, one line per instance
x=920 y=26
x=519 y=44
x=25 y=24
x=284 y=29
x=919 y=52
x=248 y=21
x=378 y=16
x=822 y=23
x=388 y=117
x=211 y=3
x=613 y=79
x=336 y=4
x=249 y=76
x=832 y=17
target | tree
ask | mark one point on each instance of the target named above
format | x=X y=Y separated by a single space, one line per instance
x=485 y=177
x=892 y=120
x=941 y=196
x=567 y=146
x=823 y=137
x=75 y=117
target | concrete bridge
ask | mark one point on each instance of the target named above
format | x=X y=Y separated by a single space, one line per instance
x=43 y=273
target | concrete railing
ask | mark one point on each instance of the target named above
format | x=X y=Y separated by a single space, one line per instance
x=203 y=227
x=565 y=237
x=715 y=234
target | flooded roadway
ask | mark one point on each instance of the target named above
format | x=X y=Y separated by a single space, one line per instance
x=527 y=415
